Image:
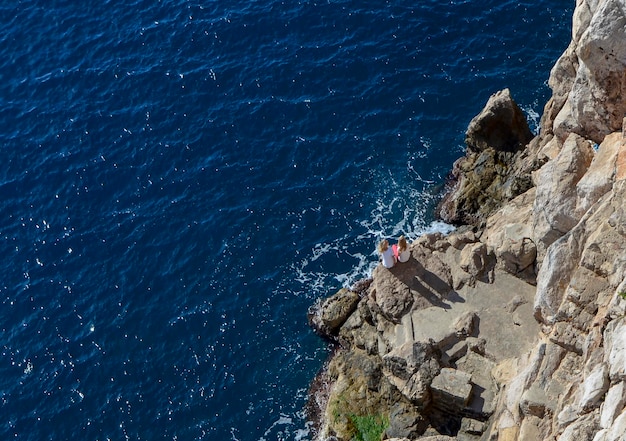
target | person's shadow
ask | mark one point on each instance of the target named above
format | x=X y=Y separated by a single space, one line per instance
x=426 y=283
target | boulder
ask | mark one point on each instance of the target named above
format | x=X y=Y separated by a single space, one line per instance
x=583 y=429
x=359 y=331
x=617 y=430
x=393 y=297
x=465 y=324
x=482 y=402
x=404 y=422
x=535 y=402
x=451 y=390
x=472 y=427
x=501 y=126
x=411 y=369
x=328 y=316
x=482 y=180
x=554 y=276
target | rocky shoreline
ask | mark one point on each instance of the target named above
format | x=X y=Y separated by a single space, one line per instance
x=513 y=327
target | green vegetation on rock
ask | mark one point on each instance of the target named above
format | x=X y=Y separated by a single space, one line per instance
x=368 y=427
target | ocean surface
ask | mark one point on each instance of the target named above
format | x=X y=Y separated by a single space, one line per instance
x=180 y=180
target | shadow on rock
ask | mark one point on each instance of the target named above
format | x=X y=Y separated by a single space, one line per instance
x=427 y=284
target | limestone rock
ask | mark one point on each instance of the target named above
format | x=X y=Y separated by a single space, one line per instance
x=465 y=324
x=616 y=431
x=405 y=423
x=392 y=295
x=451 y=390
x=359 y=330
x=615 y=349
x=411 y=368
x=592 y=72
x=535 y=402
x=485 y=177
x=326 y=318
x=472 y=427
x=594 y=387
x=583 y=429
x=460 y=239
x=554 y=277
x=501 y=126
x=613 y=404
x=599 y=179
x=482 y=402
x=555 y=201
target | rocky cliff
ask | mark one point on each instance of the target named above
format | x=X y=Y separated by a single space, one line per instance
x=514 y=326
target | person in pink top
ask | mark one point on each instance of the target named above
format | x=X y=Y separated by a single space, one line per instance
x=401 y=250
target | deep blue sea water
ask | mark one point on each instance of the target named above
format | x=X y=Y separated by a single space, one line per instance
x=181 y=180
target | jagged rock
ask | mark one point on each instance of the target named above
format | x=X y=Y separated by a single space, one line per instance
x=451 y=390
x=474 y=264
x=359 y=331
x=392 y=295
x=482 y=402
x=554 y=276
x=615 y=349
x=568 y=337
x=589 y=80
x=555 y=201
x=594 y=387
x=501 y=126
x=617 y=430
x=483 y=179
x=357 y=387
x=600 y=176
x=472 y=426
x=465 y=324
x=583 y=429
x=459 y=240
x=535 y=402
x=508 y=235
x=613 y=404
x=474 y=259
x=411 y=368
x=327 y=317
x=405 y=423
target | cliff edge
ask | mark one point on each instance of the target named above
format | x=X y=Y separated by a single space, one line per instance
x=514 y=326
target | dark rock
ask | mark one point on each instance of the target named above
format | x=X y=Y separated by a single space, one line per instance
x=500 y=126
x=327 y=317
x=405 y=422
x=489 y=174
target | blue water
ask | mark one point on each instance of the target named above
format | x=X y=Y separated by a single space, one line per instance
x=181 y=180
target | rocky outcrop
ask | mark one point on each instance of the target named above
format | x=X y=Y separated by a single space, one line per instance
x=424 y=360
x=513 y=328
x=483 y=179
x=588 y=80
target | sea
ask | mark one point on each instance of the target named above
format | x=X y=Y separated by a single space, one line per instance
x=181 y=180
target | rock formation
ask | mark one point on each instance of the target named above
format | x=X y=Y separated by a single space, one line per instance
x=513 y=327
x=485 y=177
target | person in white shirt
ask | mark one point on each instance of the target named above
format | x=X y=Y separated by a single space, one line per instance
x=386 y=253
